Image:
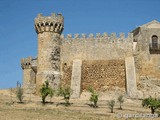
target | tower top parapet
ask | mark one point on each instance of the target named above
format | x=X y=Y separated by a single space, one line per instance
x=53 y=23
x=26 y=63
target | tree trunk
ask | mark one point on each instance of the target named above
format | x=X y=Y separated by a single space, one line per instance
x=152 y=110
x=95 y=104
x=43 y=100
x=120 y=106
x=111 y=110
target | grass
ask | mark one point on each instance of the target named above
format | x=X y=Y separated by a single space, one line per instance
x=79 y=110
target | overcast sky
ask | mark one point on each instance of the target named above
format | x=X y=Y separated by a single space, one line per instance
x=18 y=38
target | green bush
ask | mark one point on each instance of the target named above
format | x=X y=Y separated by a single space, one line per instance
x=51 y=94
x=19 y=93
x=151 y=103
x=120 y=100
x=94 y=96
x=111 y=104
x=45 y=91
x=66 y=93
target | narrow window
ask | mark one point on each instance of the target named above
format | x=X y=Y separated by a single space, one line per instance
x=154 y=42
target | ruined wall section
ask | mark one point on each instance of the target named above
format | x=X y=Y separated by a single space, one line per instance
x=100 y=47
x=103 y=75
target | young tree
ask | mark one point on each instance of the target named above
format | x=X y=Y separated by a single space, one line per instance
x=66 y=93
x=151 y=103
x=51 y=94
x=11 y=93
x=120 y=100
x=111 y=104
x=94 y=96
x=19 y=92
x=45 y=91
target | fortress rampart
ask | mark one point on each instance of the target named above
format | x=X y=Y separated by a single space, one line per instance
x=104 y=61
x=100 y=47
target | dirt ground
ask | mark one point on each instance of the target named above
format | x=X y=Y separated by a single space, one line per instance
x=32 y=109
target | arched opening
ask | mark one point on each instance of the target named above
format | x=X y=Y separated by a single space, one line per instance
x=154 y=45
x=42 y=24
x=51 y=24
x=47 y=24
x=154 y=42
x=56 y=25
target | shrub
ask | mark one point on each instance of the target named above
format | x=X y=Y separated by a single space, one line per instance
x=120 y=100
x=45 y=91
x=94 y=96
x=111 y=104
x=66 y=93
x=151 y=103
x=19 y=93
x=51 y=94
x=11 y=93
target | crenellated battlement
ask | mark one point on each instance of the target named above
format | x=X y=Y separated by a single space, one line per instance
x=97 y=35
x=53 y=23
x=96 y=46
x=26 y=63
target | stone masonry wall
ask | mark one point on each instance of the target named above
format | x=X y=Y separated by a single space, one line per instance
x=67 y=73
x=103 y=75
x=101 y=47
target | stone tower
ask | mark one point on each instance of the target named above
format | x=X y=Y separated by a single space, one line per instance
x=29 y=76
x=49 y=29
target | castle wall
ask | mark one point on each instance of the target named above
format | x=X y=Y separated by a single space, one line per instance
x=152 y=67
x=101 y=47
x=66 y=74
x=28 y=77
x=103 y=75
x=102 y=58
x=106 y=62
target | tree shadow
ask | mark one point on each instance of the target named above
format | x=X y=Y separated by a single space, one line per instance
x=92 y=105
x=64 y=104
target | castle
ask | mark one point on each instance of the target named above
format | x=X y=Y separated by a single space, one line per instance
x=102 y=61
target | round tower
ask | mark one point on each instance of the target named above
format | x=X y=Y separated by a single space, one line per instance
x=29 y=75
x=49 y=29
